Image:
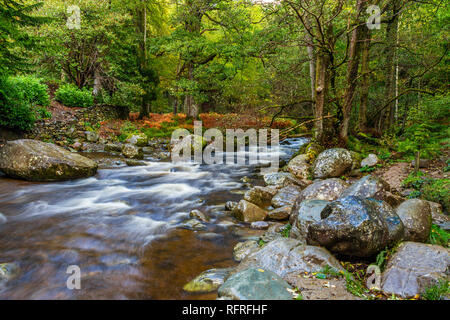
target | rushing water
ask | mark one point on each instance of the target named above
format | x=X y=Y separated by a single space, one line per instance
x=123 y=229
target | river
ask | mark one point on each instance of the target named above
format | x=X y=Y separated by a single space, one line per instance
x=123 y=229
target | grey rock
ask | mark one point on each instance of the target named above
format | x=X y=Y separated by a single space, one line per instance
x=91 y=136
x=329 y=189
x=249 y=212
x=281 y=213
x=193 y=224
x=270 y=235
x=303 y=214
x=260 y=196
x=197 y=214
x=437 y=216
x=370 y=161
x=286 y=196
x=284 y=256
x=134 y=163
x=299 y=166
x=332 y=163
x=208 y=281
x=243 y=249
x=39 y=161
x=368 y=187
x=415 y=267
x=230 y=205
x=139 y=140
x=255 y=284
x=113 y=147
x=282 y=179
x=356 y=227
x=259 y=225
x=132 y=152
x=416 y=217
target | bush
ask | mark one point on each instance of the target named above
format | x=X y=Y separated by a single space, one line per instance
x=19 y=97
x=71 y=96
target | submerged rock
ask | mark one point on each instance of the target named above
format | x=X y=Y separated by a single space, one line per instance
x=259 y=225
x=8 y=271
x=243 y=249
x=357 y=227
x=329 y=189
x=255 y=284
x=208 y=281
x=416 y=217
x=34 y=160
x=260 y=196
x=415 y=267
x=230 y=205
x=135 y=163
x=303 y=214
x=285 y=255
x=248 y=212
x=197 y=214
x=332 y=163
x=193 y=224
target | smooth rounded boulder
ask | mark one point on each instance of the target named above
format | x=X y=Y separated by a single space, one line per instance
x=332 y=163
x=356 y=227
x=35 y=160
x=303 y=214
x=248 y=212
x=416 y=217
x=299 y=166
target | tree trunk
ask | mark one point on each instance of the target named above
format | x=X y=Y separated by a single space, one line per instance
x=387 y=116
x=362 y=118
x=352 y=74
x=190 y=104
x=321 y=91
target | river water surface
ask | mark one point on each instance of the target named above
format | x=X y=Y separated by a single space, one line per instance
x=123 y=228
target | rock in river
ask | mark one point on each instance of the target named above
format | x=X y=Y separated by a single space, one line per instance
x=285 y=255
x=299 y=166
x=248 y=212
x=208 y=281
x=332 y=163
x=416 y=217
x=243 y=249
x=255 y=284
x=286 y=196
x=260 y=196
x=415 y=267
x=132 y=152
x=357 y=227
x=39 y=161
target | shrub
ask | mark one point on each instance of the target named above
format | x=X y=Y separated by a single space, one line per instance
x=71 y=96
x=19 y=97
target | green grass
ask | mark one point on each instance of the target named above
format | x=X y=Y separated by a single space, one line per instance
x=437 y=292
x=438 y=236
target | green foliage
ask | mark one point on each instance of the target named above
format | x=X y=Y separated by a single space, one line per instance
x=21 y=98
x=437 y=291
x=43 y=113
x=286 y=230
x=439 y=236
x=71 y=96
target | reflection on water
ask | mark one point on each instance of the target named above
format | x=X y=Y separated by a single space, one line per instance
x=121 y=228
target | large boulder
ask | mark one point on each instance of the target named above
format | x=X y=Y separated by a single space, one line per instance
x=249 y=212
x=416 y=217
x=332 y=163
x=356 y=227
x=303 y=214
x=299 y=166
x=329 y=189
x=35 y=160
x=131 y=151
x=415 y=267
x=285 y=255
x=367 y=187
x=286 y=196
x=255 y=284
x=261 y=196
x=281 y=213
x=208 y=281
